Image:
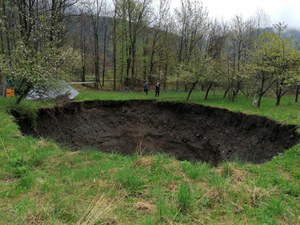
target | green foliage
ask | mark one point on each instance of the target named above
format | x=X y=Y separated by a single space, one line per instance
x=42 y=69
x=275 y=63
x=193 y=71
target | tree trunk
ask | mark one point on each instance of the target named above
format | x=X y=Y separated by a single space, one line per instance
x=133 y=64
x=128 y=63
x=225 y=93
x=114 y=50
x=83 y=69
x=104 y=52
x=115 y=67
x=97 y=63
x=123 y=52
x=207 y=91
x=259 y=100
x=278 y=98
x=83 y=53
x=152 y=57
x=23 y=93
x=2 y=42
x=165 y=76
x=7 y=29
x=53 y=20
x=236 y=91
x=297 y=92
x=145 y=61
x=278 y=92
x=191 y=90
x=261 y=91
x=177 y=82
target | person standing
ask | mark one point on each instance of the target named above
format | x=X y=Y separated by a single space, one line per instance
x=157 y=89
x=146 y=88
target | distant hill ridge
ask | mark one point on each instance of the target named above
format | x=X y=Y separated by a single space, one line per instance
x=292 y=32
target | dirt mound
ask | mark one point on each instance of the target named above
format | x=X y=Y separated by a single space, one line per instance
x=188 y=131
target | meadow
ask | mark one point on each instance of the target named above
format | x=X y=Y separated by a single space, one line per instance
x=42 y=182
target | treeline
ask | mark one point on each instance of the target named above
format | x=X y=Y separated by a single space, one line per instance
x=125 y=43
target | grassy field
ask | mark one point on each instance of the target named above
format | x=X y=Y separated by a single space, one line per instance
x=43 y=183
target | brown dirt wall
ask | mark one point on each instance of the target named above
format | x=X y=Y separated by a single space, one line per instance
x=187 y=131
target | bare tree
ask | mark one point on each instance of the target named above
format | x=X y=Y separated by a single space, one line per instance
x=192 y=20
x=137 y=12
x=83 y=44
x=94 y=9
x=105 y=41
x=242 y=38
x=114 y=43
x=160 y=20
x=216 y=50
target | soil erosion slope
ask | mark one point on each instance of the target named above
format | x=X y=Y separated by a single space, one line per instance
x=187 y=131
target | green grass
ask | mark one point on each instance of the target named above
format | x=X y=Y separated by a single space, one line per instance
x=184 y=197
x=43 y=183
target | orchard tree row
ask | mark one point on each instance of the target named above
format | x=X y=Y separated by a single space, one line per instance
x=124 y=43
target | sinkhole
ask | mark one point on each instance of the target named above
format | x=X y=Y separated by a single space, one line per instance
x=187 y=131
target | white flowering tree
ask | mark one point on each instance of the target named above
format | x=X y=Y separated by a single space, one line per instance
x=41 y=69
x=275 y=65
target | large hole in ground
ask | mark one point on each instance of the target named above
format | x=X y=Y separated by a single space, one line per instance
x=187 y=131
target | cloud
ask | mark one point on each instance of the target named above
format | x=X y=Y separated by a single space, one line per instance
x=278 y=10
x=288 y=14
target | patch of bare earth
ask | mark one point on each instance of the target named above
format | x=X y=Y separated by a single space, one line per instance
x=187 y=131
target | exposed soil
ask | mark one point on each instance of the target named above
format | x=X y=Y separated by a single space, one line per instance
x=187 y=131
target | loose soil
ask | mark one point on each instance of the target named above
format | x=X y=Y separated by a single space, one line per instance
x=187 y=131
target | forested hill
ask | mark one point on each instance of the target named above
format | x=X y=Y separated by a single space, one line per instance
x=292 y=33
x=289 y=33
x=74 y=23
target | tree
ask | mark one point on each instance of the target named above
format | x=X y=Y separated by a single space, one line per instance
x=192 y=72
x=137 y=12
x=115 y=42
x=297 y=91
x=160 y=20
x=7 y=34
x=35 y=56
x=215 y=52
x=83 y=45
x=94 y=9
x=276 y=64
x=192 y=20
x=42 y=70
x=286 y=63
x=262 y=69
x=241 y=39
x=105 y=41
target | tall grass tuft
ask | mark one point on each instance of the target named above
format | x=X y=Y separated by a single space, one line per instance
x=195 y=171
x=129 y=181
x=99 y=211
x=184 y=197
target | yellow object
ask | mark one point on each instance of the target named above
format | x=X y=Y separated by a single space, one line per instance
x=9 y=92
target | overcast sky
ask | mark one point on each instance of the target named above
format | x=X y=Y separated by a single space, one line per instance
x=287 y=11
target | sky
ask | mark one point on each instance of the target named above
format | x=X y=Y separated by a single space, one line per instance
x=287 y=11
